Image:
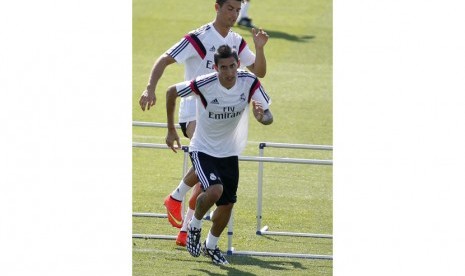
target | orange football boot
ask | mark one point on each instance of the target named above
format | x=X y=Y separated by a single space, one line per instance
x=173 y=209
x=181 y=239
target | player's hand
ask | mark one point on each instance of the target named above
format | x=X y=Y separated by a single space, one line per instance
x=257 y=110
x=147 y=99
x=260 y=37
x=170 y=138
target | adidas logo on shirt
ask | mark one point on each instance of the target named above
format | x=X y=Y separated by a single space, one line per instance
x=212 y=49
x=215 y=101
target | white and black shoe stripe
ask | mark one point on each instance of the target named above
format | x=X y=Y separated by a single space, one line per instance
x=193 y=241
x=215 y=254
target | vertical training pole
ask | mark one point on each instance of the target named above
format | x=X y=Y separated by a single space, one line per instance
x=185 y=149
x=186 y=161
x=230 y=233
x=260 y=183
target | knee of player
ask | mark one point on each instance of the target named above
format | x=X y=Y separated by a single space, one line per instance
x=215 y=191
x=193 y=201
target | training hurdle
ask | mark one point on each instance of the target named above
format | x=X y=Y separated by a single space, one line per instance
x=184 y=171
x=261 y=159
x=262 y=146
x=156 y=215
x=151 y=124
x=231 y=250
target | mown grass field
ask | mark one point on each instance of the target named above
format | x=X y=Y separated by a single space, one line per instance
x=296 y=197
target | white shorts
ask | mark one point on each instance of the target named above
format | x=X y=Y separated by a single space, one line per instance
x=187 y=109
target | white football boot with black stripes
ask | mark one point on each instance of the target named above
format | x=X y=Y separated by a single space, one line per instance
x=215 y=254
x=193 y=241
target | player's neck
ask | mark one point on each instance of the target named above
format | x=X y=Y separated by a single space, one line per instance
x=222 y=30
x=226 y=84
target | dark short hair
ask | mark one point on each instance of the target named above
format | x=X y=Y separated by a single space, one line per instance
x=224 y=51
x=221 y=2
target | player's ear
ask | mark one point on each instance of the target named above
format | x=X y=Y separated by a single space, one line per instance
x=217 y=7
x=215 y=67
x=238 y=64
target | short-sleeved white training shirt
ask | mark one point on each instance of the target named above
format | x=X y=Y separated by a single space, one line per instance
x=222 y=114
x=196 y=51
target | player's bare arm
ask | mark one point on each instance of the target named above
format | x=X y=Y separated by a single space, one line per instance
x=172 y=134
x=148 y=97
x=263 y=116
x=260 y=38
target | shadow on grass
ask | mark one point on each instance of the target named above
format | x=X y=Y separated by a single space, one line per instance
x=207 y=262
x=266 y=237
x=237 y=261
x=283 y=35
x=231 y=271
x=273 y=265
x=278 y=265
x=248 y=260
x=244 y=260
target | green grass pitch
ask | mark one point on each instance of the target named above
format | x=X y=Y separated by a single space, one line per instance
x=296 y=197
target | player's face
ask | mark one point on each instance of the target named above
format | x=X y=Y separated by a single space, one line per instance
x=228 y=13
x=227 y=71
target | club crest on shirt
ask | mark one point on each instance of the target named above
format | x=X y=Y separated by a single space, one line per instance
x=243 y=97
x=212 y=176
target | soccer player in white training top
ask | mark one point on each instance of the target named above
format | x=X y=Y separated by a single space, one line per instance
x=195 y=51
x=243 y=19
x=219 y=138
